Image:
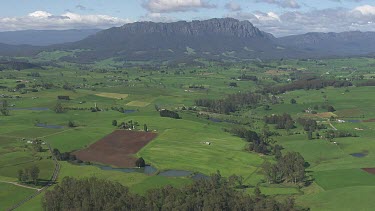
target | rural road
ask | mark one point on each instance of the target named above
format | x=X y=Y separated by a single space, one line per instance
x=20 y=185
x=333 y=127
x=51 y=182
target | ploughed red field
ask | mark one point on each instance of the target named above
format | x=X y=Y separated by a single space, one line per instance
x=116 y=149
x=369 y=170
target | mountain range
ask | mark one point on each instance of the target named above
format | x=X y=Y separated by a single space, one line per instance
x=217 y=39
x=44 y=37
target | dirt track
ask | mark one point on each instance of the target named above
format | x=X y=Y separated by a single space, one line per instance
x=117 y=148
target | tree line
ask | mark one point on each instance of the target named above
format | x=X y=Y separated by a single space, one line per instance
x=231 y=103
x=29 y=174
x=215 y=193
x=309 y=83
x=284 y=121
x=260 y=143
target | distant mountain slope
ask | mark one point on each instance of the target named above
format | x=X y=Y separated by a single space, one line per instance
x=18 y=50
x=332 y=44
x=44 y=37
x=224 y=39
x=215 y=38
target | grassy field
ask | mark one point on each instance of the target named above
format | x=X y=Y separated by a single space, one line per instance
x=338 y=183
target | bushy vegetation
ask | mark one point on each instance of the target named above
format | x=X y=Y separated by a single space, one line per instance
x=307 y=84
x=216 y=193
x=170 y=114
x=289 y=168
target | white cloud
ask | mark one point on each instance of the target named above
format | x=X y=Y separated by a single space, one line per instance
x=233 y=6
x=157 y=17
x=40 y=14
x=68 y=20
x=298 y=22
x=282 y=3
x=166 y=6
x=366 y=9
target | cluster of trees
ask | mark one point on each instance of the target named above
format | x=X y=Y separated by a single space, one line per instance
x=68 y=87
x=4 y=110
x=119 y=109
x=308 y=124
x=331 y=134
x=127 y=125
x=309 y=83
x=29 y=174
x=34 y=74
x=140 y=162
x=289 y=168
x=245 y=77
x=59 y=109
x=367 y=83
x=233 y=84
x=62 y=97
x=260 y=143
x=37 y=145
x=71 y=124
x=231 y=103
x=20 y=86
x=65 y=156
x=170 y=114
x=215 y=193
x=196 y=87
x=284 y=121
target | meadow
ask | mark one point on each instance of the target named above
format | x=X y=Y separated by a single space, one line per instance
x=337 y=180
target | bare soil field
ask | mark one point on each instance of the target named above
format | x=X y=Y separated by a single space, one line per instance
x=369 y=120
x=369 y=170
x=116 y=149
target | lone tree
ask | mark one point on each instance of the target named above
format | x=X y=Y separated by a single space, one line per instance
x=34 y=174
x=114 y=122
x=331 y=109
x=20 y=175
x=293 y=101
x=4 y=108
x=59 y=108
x=145 y=128
x=140 y=162
x=71 y=124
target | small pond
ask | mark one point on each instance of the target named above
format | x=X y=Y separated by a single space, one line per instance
x=183 y=173
x=149 y=170
x=175 y=173
x=200 y=176
x=129 y=111
x=358 y=155
x=49 y=126
x=354 y=121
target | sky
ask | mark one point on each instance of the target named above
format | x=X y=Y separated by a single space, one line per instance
x=279 y=17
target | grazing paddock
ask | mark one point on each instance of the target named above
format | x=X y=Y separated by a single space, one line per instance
x=138 y=104
x=277 y=72
x=325 y=115
x=112 y=95
x=116 y=149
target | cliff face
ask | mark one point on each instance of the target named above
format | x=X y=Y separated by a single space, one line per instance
x=224 y=27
